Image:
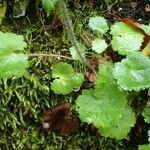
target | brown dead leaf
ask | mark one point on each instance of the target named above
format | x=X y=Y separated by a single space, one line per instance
x=90 y=76
x=138 y=27
x=60 y=119
x=87 y=40
x=146 y=50
x=133 y=24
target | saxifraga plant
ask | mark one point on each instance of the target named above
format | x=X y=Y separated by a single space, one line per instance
x=106 y=105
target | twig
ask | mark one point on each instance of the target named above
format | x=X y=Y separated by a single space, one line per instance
x=69 y=28
x=49 y=55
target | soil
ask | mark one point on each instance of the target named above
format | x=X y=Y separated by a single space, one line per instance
x=137 y=10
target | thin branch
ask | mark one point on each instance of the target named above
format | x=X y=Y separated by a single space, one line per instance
x=49 y=55
x=70 y=31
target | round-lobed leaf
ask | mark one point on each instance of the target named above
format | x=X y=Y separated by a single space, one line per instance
x=121 y=28
x=133 y=72
x=13 y=65
x=61 y=69
x=76 y=80
x=126 y=39
x=98 y=24
x=66 y=80
x=10 y=42
x=126 y=44
x=99 y=45
x=103 y=106
x=61 y=86
x=120 y=131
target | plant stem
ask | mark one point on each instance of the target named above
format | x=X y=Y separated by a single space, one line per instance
x=69 y=28
x=49 y=55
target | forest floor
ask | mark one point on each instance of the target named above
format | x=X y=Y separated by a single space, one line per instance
x=23 y=101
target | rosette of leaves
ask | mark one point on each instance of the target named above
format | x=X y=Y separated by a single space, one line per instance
x=126 y=39
x=13 y=62
x=49 y=5
x=102 y=106
x=65 y=79
x=133 y=72
x=146 y=113
x=98 y=24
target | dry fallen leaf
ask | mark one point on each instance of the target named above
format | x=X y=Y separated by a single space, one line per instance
x=87 y=40
x=146 y=50
x=60 y=119
x=138 y=27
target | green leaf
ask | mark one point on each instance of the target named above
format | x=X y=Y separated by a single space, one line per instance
x=146 y=28
x=146 y=113
x=99 y=45
x=121 y=28
x=77 y=80
x=74 y=53
x=12 y=60
x=66 y=80
x=61 y=69
x=49 y=5
x=119 y=132
x=126 y=44
x=105 y=75
x=13 y=65
x=98 y=24
x=125 y=38
x=103 y=106
x=144 y=147
x=133 y=72
x=10 y=42
x=61 y=86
